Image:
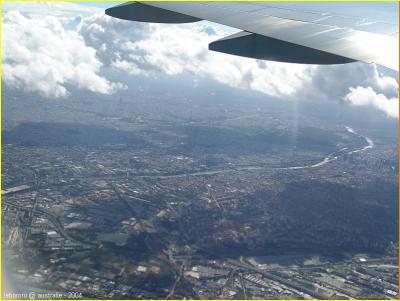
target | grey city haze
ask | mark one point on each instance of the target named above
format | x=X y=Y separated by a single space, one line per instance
x=138 y=164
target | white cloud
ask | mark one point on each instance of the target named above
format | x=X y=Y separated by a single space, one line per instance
x=141 y=48
x=45 y=59
x=386 y=84
x=40 y=55
x=366 y=96
x=173 y=49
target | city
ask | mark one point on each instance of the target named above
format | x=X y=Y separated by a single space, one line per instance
x=239 y=203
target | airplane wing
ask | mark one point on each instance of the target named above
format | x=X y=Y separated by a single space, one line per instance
x=307 y=33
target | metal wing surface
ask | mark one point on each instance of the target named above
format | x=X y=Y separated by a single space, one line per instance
x=311 y=33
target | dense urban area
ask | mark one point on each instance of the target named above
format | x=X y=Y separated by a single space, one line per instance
x=212 y=195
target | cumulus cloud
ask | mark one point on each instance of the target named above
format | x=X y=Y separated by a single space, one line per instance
x=358 y=84
x=334 y=81
x=40 y=55
x=148 y=49
x=366 y=96
x=141 y=48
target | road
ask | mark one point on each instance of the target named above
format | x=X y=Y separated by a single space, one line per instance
x=369 y=144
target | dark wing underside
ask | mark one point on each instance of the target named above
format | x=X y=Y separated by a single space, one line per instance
x=317 y=33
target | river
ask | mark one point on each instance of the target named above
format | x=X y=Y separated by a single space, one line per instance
x=329 y=158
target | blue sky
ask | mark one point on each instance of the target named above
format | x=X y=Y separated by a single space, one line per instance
x=33 y=58
x=382 y=11
x=101 y=4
